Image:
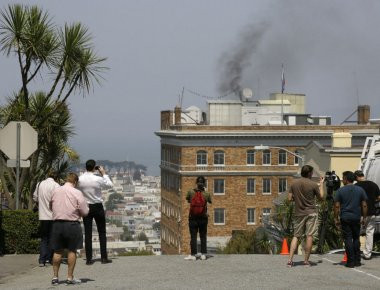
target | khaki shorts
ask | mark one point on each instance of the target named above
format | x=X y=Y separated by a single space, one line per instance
x=305 y=225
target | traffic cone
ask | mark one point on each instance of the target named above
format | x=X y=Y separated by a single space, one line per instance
x=284 y=249
x=344 y=260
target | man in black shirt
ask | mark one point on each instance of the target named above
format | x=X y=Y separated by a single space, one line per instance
x=373 y=194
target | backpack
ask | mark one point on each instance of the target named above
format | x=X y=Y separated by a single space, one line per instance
x=198 y=204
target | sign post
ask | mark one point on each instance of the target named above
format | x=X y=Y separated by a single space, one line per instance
x=18 y=140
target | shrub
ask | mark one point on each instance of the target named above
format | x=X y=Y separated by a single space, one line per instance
x=19 y=231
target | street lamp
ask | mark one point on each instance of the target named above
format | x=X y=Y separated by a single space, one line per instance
x=265 y=147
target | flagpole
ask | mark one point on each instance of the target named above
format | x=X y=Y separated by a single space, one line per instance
x=282 y=95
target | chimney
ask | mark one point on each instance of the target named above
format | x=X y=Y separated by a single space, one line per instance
x=166 y=120
x=177 y=115
x=341 y=140
x=363 y=114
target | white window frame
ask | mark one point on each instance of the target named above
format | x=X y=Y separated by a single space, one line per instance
x=270 y=157
x=224 y=187
x=224 y=158
x=254 y=216
x=201 y=152
x=270 y=187
x=296 y=159
x=249 y=152
x=286 y=157
x=224 y=217
x=286 y=184
x=254 y=186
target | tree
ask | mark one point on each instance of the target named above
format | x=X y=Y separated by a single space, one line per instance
x=142 y=237
x=64 y=59
x=113 y=199
x=126 y=235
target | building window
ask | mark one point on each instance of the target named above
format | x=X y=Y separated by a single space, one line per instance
x=266 y=157
x=266 y=186
x=251 y=216
x=202 y=158
x=218 y=157
x=282 y=157
x=250 y=157
x=250 y=186
x=219 y=216
x=282 y=185
x=296 y=159
x=266 y=215
x=218 y=186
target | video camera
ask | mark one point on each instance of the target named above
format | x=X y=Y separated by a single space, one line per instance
x=332 y=181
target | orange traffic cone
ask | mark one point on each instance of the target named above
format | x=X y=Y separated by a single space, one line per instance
x=344 y=260
x=285 y=249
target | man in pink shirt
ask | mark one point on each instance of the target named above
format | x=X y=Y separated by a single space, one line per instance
x=68 y=206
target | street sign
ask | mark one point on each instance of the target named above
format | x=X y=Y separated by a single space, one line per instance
x=13 y=163
x=28 y=140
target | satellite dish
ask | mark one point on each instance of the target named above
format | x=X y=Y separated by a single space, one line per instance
x=247 y=93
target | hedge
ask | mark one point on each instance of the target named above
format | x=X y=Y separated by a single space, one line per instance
x=19 y=232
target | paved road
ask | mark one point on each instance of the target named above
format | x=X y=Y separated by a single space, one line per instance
x=218 y=272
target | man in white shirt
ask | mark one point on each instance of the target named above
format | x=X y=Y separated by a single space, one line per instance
x=91 y=185
x=42 y=195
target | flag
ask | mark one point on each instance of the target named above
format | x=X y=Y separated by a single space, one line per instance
x=282 y=80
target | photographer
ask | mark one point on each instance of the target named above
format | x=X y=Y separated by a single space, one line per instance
x=91 y=185
x=348 y=201
x=198 y=218
x=373 y=194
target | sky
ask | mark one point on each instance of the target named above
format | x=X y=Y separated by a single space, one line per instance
x=330 y=50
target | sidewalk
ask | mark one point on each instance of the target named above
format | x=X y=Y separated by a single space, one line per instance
x=218 y=272
x=11 y=265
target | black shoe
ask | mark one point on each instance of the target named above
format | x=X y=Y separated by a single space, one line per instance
x=90 y=262
x=106 y=261
x=350 y=265
x=358 y=264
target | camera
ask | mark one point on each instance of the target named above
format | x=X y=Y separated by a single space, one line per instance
x=332 y=180
x=97 y=167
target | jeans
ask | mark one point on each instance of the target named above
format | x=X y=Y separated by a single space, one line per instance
x=96 y=212
x=195 y=225
x=46 y=252
x=351 y=233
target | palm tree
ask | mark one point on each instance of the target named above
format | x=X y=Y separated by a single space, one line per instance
x=65 y=60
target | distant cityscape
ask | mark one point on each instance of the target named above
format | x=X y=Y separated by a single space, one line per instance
x=133 y=210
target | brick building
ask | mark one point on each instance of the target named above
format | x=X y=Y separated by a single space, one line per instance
x=243 y=181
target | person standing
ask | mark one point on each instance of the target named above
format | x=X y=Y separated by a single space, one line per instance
x=42 y=195
x=68 y=206
x=373 y=195
x=198 y=218
x=348 y=201
x=91 y=185
x=304 y=192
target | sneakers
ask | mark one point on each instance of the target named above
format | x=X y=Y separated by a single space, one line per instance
x=366 y=258
x=190 y=258
x=55 y=281
x=74 y=281
x=203 y=257
x=41 y=265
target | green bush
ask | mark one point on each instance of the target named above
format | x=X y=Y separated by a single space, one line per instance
x=19 y=231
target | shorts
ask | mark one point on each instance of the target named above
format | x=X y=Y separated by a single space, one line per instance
x=305 y=225
x=66 y=235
